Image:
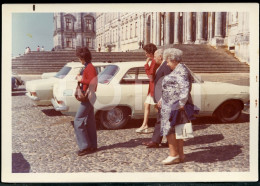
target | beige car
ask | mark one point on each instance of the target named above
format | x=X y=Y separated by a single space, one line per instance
x=40 y=91
x=122 y=89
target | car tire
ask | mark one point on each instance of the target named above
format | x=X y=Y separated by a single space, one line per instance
x=229 y=111
x=115 y=118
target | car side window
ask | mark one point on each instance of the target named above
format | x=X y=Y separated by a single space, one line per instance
x=135 y=76
x=142 y=76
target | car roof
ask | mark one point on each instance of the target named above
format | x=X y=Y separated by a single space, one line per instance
x=78 y=64
x=129 y=64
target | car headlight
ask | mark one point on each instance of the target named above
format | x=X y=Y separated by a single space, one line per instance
x=33 y=94
x=67 y=92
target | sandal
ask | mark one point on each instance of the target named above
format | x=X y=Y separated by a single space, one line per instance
x=140 y=130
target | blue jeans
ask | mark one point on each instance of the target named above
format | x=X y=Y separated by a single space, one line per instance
x=85 y=126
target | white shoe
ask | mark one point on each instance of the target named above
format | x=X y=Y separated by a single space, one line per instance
x=141 y=130
x=170 y=160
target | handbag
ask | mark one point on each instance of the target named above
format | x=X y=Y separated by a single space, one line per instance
x=80 y=95
x=183 y=129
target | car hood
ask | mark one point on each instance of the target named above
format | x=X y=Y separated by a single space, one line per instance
x=48 y=75
x=40 y=84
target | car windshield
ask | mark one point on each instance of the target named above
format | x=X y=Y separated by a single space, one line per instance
x=63 y=72
x=107 y=74
x=195 y=79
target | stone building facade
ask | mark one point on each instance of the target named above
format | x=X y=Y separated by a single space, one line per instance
x=123 y=31
x=72 y=30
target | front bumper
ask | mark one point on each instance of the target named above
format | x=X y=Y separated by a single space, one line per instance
x=58 y=107
x=32 y=97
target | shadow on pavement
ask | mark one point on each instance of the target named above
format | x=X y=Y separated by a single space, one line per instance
x=212 y=120
x=19 y=164
x=129 y=144
x=213 y=154
x=136 y=123
x=199 y=127
x=206 y=139
x=51 y=112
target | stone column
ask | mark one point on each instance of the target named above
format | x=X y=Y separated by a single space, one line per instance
x=188 y=28
x=118 y=32
x=144 y=29
x=167 y=28
x=210 y=24
x=154 y=28
x=199 y=28
x=183 y=27
x=176 y=27
x=218 y=24
x=218 y=40
x=58 y=21
x=78 y=21
x=158 y=40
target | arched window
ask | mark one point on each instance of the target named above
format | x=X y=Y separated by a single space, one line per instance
x=69 y=22
x=88 y=23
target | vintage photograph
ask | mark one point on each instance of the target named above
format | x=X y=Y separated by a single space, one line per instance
x=130 y=93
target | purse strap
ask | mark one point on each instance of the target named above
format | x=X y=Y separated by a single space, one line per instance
x=82 y=71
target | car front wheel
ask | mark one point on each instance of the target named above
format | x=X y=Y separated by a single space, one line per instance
x=229 y=111
x=115 y=118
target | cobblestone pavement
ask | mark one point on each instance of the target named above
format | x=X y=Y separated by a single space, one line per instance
x=43 y=141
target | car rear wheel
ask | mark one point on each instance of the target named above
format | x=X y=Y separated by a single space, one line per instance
x=115 y=118
x=229 y=111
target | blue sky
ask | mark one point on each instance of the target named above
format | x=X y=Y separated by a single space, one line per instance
x=31 y=30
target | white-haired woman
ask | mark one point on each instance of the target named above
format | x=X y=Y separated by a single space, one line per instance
x=176 y=87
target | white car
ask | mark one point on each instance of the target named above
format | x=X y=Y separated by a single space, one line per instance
x=122 y=89
x=40 y=91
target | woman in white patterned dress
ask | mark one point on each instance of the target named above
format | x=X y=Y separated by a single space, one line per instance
x=175 y=87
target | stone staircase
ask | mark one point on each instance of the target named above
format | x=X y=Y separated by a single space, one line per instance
x=199 y=58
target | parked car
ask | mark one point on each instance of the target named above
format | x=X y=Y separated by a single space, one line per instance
x=40 y=90
x=122 y=89
x=16 y=81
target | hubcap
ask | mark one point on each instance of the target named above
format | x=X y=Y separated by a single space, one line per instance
x=229 y=111
x=115 y=116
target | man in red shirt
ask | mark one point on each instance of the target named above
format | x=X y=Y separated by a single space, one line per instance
x=84 y=122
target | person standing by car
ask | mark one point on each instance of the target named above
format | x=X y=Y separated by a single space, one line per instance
x=162 y=71
x=84 y=122
x=150 y=71
x=176 y=88
x=99 y=48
